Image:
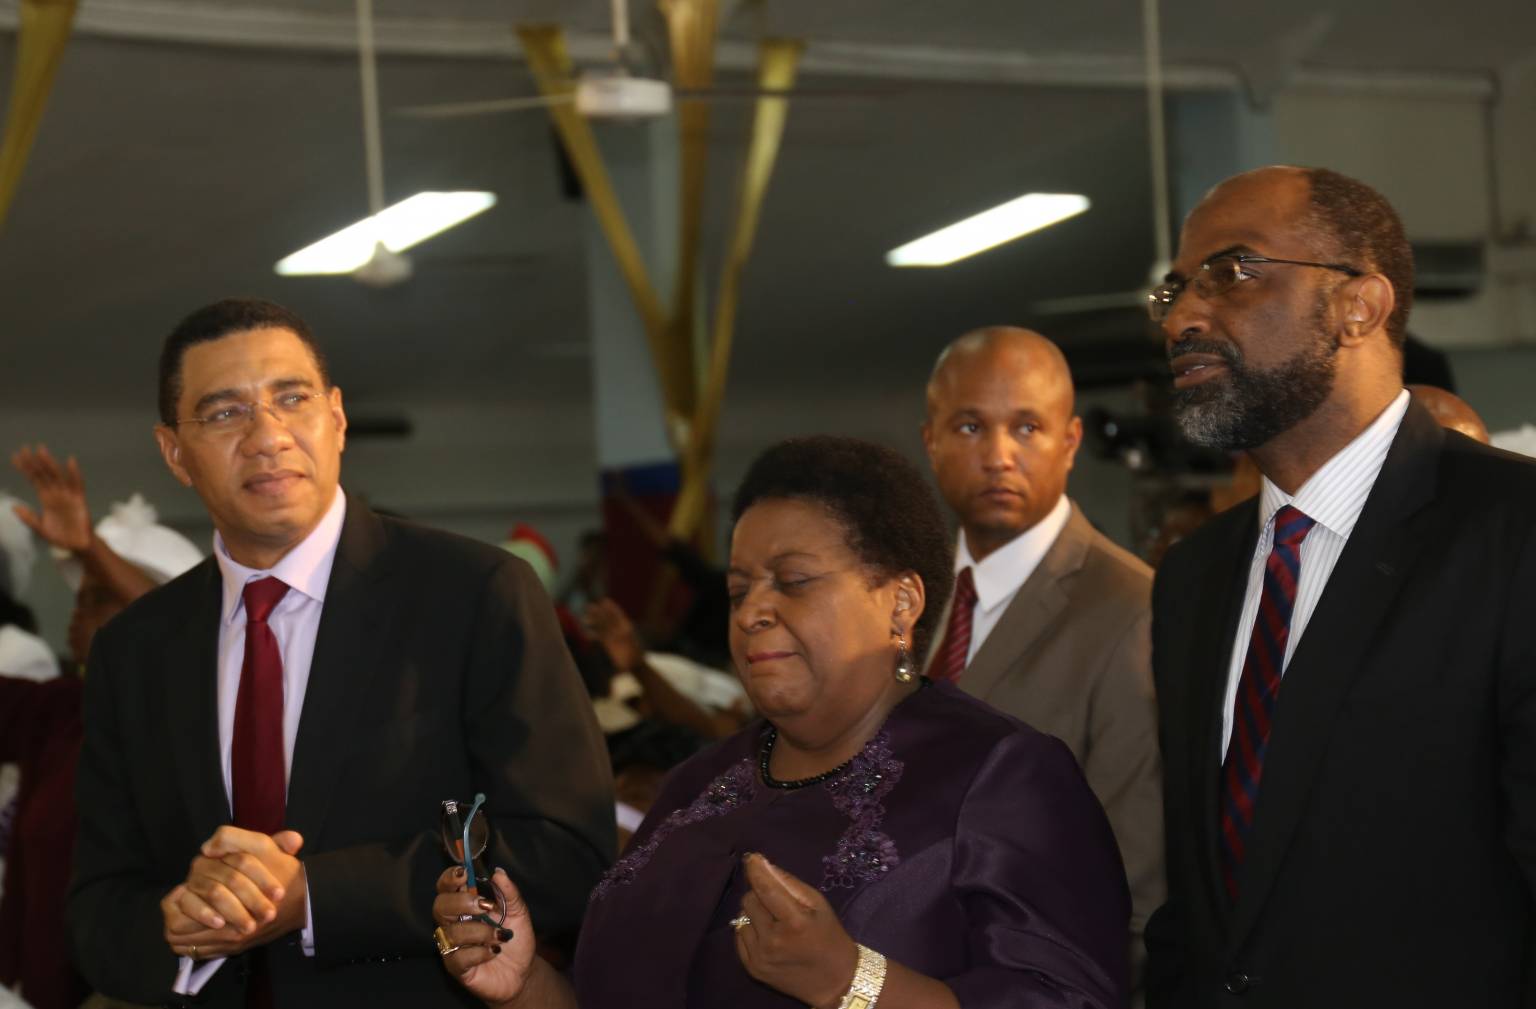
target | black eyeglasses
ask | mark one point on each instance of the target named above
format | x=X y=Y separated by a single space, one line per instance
x=1220 y=274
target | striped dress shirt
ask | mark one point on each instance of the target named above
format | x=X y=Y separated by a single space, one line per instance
x=1333 y=497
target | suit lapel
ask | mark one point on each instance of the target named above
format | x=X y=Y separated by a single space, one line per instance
x=1033 y=610
x=1334 y=647
x=348 y=649
x=192 y=700
x=1218 y=596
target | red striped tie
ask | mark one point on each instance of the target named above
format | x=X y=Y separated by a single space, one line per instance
x=1258 y=689
x=949 y=660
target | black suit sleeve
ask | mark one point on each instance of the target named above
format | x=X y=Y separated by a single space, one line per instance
x=533 y=748
x=114 y=899
x=1517 y=712
x=1164 y=935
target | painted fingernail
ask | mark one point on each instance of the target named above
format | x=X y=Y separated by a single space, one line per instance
x=485 y=904
x=504 y=934
x=458 y=872
x=496 y=950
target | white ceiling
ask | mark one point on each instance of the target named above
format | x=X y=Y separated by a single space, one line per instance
x=168 y=174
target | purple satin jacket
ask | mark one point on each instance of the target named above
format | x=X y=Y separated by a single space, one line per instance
x=959 y=843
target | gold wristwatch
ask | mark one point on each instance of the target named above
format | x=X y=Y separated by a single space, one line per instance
x=868 y=980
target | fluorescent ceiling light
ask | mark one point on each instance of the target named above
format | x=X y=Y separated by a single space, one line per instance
x=399 y=227
x=1001 y=224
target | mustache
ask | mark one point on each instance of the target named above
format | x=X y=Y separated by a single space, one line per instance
x=1217 y=348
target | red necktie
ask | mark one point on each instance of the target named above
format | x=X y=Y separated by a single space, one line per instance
x=1258 y=688
x=949 y=660
x=258 y=775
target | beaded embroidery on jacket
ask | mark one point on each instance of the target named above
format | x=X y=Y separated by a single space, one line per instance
x=864 y=853
x=719 y=797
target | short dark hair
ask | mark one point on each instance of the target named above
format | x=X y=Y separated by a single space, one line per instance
x=884 y=504
x=221 y=319
x=1365 y=233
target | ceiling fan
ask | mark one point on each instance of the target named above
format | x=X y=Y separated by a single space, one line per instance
x=1162 y=214
x=628 y=88
x=386 y=232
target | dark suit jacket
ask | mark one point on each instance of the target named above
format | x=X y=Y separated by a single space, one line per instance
x=438 y=671
x=1071 y=656
x=1392 y=858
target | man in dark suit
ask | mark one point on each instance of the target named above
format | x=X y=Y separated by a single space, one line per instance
x=1346 y=664
x=288 y=715
x=1050 y=620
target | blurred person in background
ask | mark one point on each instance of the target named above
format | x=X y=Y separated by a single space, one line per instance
x=697 y=632
x=110 y=565
x=1451 y=411
x=525 y=541
x=875 y=836
x=22 y=651
x=660 y=710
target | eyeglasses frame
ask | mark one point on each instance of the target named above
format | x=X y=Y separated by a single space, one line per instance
x=1161 y=298
x=253 y=407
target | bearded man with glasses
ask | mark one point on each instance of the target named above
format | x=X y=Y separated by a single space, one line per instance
x=1345 y=664
x=288 y=715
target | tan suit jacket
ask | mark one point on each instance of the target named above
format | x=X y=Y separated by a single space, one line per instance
x=1071 y=656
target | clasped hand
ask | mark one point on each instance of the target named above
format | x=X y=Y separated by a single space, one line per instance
x=243 y=889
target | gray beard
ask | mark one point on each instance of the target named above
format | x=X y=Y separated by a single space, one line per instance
x=1248 y=407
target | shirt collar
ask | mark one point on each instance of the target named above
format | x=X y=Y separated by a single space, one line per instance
x=1000 y=574
x=306 y=568
x=1335 y=495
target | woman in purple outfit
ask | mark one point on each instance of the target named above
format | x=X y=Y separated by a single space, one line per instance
x=874 y=839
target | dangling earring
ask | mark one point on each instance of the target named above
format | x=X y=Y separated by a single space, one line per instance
x=905 y=671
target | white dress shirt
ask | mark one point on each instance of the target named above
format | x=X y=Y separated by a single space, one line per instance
x=1333 y=498
x=1000 y=574
x=295 y=622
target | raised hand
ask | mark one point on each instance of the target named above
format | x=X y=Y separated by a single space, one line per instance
x=61 y=517
x=612 y=627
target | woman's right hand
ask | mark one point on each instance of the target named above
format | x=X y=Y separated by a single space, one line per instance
x=493 y=963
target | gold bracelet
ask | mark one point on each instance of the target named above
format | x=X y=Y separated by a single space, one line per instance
x=868 y=980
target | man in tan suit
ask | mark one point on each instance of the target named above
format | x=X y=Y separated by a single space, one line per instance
x=1050 y=621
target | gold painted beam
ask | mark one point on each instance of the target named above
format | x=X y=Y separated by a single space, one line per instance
x=692 y=29
x=553 y=71
x=779 y=59
x=42 y=32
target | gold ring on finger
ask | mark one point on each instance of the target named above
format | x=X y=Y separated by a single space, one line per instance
x=192 y=952
x=444 y=944
x=740 y=922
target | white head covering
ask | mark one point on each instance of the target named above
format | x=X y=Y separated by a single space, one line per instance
x=133 y=533
x=17 y=549
x=26 y=656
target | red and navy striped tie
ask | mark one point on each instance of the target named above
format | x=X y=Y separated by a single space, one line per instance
x=1257 y=691
x=949 y=661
